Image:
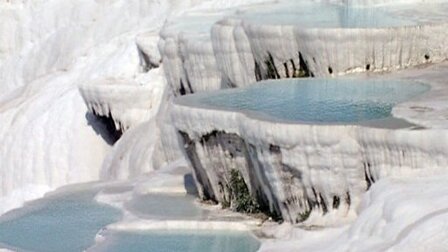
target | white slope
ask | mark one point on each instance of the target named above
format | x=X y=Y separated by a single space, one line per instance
x=47 y=141
x=132 y=155
x=47 y=49
x=395 y=215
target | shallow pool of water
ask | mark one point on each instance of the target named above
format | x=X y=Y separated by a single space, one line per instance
x=61 y=223
x=165 y=206
x=320 y=101
x=69 y=221
x=185 y=241
x=308 y=14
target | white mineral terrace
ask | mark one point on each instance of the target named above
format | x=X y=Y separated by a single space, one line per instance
x=290 y=38
x=323 y=167
x=347 y=168
x=126 y=102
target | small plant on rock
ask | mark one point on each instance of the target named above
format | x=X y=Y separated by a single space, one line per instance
x=241 y=199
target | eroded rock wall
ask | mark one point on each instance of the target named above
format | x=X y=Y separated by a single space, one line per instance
x=314 y=174
x=238 y=51
x=284 y=181
x=227 y=153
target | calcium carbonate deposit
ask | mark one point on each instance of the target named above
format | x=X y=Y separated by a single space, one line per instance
x=331 y=134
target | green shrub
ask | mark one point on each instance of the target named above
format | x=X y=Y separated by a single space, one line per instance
x=241 y=199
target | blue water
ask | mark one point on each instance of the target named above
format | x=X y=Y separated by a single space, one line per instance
x=69 y=222
x=168 y=207
x=339 y=101
x=62 y=223
x=322 y=15
x=180 y=241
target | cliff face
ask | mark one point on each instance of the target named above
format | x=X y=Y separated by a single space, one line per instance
x=316 y=174
x=305 y=173
x=316 y=39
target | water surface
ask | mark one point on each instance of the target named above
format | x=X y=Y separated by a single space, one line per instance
x=185 y=241
x=61 y=223
x=315 y=101
x=165 y=206
x=306 y=14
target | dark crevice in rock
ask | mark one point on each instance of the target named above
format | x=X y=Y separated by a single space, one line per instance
x=272 y=72
x=106 y=127
x=304 y=70
x=348 y=199
x=323 y=204
x=336 y=202
x=182 y=90
x=274 y=149
x=205 y=189
x=206 y=138
x=189 y=86
x=258 y=74
x=294 y=68
x=314 y=203
x=367 y=175
x=273 y=207
x=285 y=65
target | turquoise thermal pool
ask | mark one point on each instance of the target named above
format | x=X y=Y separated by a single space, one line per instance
x=67 y=222
x=313 y=101
x=185 y=241
x=162 y=206
x=326 y=15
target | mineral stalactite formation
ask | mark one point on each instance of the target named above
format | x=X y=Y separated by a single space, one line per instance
x=114 y=90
